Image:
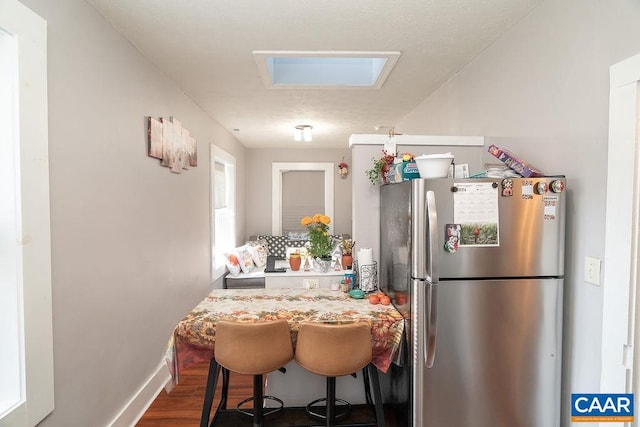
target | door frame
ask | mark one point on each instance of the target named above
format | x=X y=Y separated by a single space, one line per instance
x=620 y=304
x=279 y=168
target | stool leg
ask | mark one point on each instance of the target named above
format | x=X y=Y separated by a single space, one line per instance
x=331 y=401
x=377 y=395
x=367 y=386
x=225 y=389
x=212 y=382
x=257 y=401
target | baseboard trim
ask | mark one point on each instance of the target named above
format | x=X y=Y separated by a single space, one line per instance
x=142 y=399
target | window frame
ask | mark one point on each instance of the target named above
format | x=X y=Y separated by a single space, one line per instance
x=279 y=168
x=218 y=155
x=12 y=387
x=34 y=236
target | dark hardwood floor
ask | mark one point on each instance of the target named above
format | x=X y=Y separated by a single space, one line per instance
x=183 y=406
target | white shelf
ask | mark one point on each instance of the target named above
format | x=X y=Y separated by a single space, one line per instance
x=435 y=140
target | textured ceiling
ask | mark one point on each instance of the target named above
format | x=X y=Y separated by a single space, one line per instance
x=206 y=46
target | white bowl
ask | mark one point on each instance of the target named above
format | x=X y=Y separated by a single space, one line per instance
x=434 y=165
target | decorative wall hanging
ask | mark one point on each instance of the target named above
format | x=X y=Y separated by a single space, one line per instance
x=172 y=144
x=343 y=169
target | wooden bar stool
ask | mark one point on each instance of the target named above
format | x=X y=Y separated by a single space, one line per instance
x=254 y=349
x=334 y=351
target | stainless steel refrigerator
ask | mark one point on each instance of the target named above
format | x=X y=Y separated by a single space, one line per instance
x=476 y=267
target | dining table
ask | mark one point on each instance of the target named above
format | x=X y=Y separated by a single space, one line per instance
x=193 y=339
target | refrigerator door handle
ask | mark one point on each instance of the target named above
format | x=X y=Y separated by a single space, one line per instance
x=431 y=314
x=432 y=238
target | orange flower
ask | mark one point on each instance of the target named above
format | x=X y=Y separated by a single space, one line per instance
x=320 y=242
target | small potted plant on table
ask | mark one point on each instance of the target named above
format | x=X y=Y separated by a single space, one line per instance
x=347 y=253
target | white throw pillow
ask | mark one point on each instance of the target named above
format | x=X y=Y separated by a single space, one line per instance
x=259 y=254
x=246 y=261
x=232 y=262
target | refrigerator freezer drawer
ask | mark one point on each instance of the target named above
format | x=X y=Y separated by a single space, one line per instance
x=497 y=355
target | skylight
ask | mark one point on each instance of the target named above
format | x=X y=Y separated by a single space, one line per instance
x=324 y=69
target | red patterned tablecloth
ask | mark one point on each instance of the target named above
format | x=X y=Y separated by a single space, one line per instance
x=193 y=340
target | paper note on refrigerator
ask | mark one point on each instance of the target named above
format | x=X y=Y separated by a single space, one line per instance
x=475 y=208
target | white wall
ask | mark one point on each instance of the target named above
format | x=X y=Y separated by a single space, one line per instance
x=542 y=91
x=259 y=161
x=130 y=240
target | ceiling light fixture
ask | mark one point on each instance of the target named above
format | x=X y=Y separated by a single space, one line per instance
x=301 y=132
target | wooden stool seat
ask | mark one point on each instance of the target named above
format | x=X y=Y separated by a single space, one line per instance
x=254 y=349
x=333 y=351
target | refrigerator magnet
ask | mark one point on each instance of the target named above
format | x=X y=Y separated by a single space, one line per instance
x=507 y=187
x=550 y=205
x=542 y=187
x=452 y=237
x=527 y=189
x=557 y=186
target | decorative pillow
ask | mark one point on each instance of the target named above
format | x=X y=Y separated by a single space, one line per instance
x=246 y=261
x=298 y=236
x=258 y=254
x=296 y=243
x=232 y=262
x=258 y=242
x=276 y=245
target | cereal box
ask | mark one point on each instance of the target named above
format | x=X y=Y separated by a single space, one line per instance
x=514 y=163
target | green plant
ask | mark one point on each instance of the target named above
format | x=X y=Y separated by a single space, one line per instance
x=379 y=168
x=320 y=242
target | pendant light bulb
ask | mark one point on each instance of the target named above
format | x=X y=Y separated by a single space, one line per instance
x=301 y=132
x=307 y=133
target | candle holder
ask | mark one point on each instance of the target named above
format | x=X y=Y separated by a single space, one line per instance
x=366 y=276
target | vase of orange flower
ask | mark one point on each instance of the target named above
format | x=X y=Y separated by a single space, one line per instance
x=320 y=241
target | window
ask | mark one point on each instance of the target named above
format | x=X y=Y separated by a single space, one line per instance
x=26 y=353
x=11 y=316
x=223 y=180
x=329 y=69
x=278 y=171
x=302 y=195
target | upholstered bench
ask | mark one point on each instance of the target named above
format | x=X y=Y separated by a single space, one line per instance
x=276 y=246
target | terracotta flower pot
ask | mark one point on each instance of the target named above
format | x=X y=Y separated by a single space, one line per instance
x=385 y=173
x=347 y=261
x=294 y=262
